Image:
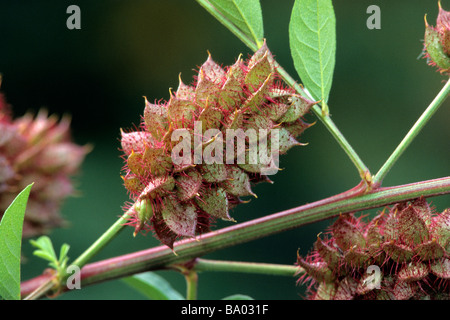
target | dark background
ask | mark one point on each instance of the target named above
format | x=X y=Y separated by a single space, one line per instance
x=130 y=49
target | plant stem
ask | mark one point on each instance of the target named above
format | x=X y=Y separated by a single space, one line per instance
x=191 y=284
x=246 y=267
x=101 y=242
x=162 y=257
x=41 y=290
x=413 y=132
x=325 y=118
x=88 y=254
x=320 y=112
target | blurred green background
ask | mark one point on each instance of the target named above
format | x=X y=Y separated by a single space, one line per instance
x=129 y=49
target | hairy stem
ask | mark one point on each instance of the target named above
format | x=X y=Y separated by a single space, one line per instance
x=413 y=132
x=162 y=257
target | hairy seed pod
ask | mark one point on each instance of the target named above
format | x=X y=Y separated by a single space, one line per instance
x=401 y=254
x=196 y=155
x=437 y=41
x=37 y=149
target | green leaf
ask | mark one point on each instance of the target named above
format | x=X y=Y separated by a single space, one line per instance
x=63 y=252
x=153 y=286
x=45 y=244
x=312 y=37
x=44 y=255
x=47 y=252
x=238 y=297
x=10 y=246
x=246 y=15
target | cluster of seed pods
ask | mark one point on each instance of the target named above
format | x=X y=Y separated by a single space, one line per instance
x=37 y=149
x=402 y=253
x=181 y=169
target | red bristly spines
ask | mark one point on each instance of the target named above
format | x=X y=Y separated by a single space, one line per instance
x=407 y=244
x=437 y=42
x=189 y=192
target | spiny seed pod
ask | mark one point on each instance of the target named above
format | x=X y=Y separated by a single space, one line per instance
x=403 y=253
x=437 y=41
x=37 y=149
x=197 y=154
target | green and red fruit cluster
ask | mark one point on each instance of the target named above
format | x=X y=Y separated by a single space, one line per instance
x=437 y=41
x=403 y=253
x=181 y=199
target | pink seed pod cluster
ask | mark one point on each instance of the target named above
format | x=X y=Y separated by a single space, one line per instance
x=181 y=171
x=403 y=253
x=37 y=149
x=437 y=42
